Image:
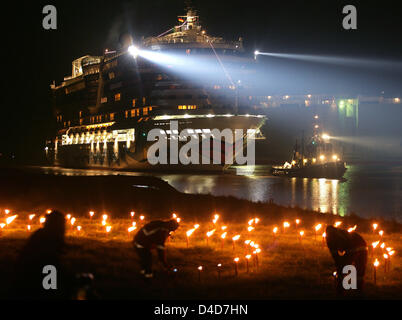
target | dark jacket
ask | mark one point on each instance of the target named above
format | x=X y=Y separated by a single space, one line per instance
x=152 y=235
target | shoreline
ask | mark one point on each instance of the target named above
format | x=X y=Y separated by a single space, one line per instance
x=118 y=195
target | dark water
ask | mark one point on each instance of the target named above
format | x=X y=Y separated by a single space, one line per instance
x=369 y=190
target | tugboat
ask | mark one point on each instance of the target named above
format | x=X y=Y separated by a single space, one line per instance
x=318 y=159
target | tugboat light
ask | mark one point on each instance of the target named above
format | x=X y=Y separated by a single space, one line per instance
x=134 y=51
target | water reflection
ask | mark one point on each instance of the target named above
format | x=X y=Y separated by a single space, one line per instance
x=368 y=190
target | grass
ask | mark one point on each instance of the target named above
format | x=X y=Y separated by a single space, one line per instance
x=288 y=268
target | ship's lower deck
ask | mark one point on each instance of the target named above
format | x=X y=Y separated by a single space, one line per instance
x=126 y=146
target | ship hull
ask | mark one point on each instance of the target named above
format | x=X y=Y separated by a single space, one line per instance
x=121 y=155
x=334 y=170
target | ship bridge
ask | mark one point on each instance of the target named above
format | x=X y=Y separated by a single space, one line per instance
x=190 y=35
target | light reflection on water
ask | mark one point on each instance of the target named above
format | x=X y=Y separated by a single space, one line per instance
x=369 y=190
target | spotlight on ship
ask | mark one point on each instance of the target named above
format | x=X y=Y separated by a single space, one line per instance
x=326 y=137
x=134 y=51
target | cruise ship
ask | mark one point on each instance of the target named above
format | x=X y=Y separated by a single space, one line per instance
x=107 y=107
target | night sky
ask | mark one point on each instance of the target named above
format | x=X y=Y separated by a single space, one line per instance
x=35 y=57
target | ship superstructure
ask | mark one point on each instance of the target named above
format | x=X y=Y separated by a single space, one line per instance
x=106 y=108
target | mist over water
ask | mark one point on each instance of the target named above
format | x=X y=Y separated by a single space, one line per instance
x=378 y=144
x=344 y=61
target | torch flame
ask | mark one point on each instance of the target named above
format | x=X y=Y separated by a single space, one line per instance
x=210 y=233
x=375 y=244
x=190 y=232
x=11 y=219
x=318 y=227
x=223 y=236
x=235 y=238
x=376 y=263
x=352 y=229
x=337 y=224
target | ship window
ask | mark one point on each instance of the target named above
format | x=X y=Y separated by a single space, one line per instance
x=126 y=114
x=144 y=101
x=133 y=113
x=81 y=121
x=145 y=111
x=112 y=116
x=104 y=100
x=117 y=97
x=111 y=75
x=80 y=114
x=150 y=108
x=138 y=112
x=134 y=102
x=159 y=77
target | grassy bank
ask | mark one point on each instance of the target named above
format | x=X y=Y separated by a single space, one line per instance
x=288 y=267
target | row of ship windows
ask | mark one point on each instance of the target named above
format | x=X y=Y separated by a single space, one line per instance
x=187 y=107
x=117 y=97
x=174 y=97
x=108 y=117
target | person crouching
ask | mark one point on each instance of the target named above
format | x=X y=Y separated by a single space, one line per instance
x=153 y=236
x=347 y=249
